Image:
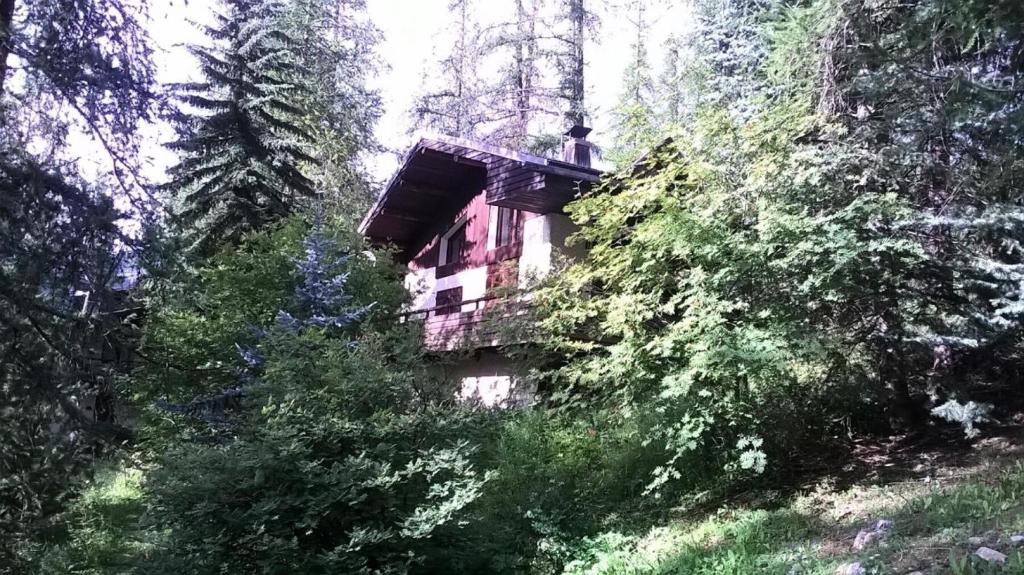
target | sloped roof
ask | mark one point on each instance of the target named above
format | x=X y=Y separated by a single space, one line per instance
x=440 y=171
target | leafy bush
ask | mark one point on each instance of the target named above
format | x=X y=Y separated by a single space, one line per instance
x=330 y=455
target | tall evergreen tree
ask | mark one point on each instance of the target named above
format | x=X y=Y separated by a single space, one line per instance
x=730 y=46
x=518 y=96
x=245 y=149
x=457 y=108
x=515 y=82
x=67 y=67
x=635 y=119
x=928 y=95
x=578 y=22
x=674 y=100
x=336 y=49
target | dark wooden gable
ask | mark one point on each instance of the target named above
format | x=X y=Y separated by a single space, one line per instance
x=539 y=188
x=438 y=175
x=432 y=180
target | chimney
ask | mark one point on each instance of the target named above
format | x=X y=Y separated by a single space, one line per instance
x=576 y=149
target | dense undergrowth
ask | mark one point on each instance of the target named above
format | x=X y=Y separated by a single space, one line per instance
x=935 y=514
x=828 y=249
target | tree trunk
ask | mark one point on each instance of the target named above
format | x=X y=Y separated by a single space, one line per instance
x=524 y=55
x=574 y=83
x=6 y=24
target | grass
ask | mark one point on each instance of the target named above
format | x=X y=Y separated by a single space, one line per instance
x=102 y=534
x=935 y=515
x=813 y=533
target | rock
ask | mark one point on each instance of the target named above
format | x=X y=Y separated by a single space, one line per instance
x=975 y=540
x=851 y=569
x=916 y=573
x=990 y=555
x=874 y=534
x=1017 y=539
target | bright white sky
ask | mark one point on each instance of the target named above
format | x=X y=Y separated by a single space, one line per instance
x=413 y=35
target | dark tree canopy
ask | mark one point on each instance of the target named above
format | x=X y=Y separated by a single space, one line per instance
x=244 y=150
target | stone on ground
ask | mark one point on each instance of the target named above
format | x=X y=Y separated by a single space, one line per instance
x=990 y=555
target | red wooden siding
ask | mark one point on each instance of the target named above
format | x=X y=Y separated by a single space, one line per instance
x=477 y=213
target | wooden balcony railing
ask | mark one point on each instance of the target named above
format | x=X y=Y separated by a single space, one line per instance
x=465 y=325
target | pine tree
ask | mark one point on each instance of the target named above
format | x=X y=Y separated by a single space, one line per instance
x=335 y=45
x=245 y=151
x=539 y=84
x=730 y=45
x=60 y=240
x=457 y=108
x=672 y=87
x=518 y=96
x=635 y=119
x=930 y=121
x=578 y=21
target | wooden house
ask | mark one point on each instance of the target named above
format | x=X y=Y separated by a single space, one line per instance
x=475 y=223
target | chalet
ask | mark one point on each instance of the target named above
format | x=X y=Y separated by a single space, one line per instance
x=473 y=223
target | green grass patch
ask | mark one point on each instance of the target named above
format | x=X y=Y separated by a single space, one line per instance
x=813 y=534
x=102 y=529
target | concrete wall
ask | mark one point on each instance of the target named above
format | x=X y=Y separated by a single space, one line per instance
x=544 y=239
x=490 y=379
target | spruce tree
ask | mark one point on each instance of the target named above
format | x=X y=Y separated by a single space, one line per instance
x=335 y=45
x=635 y=119
x=67 y=67
x=245 y=151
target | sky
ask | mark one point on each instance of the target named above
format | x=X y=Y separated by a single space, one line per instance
x=413 y=35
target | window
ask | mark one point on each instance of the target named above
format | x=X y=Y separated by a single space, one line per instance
x=455 y=245
x=507 y=231
x=448 y=301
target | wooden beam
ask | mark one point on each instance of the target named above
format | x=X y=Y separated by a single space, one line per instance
x=423 y=189
x=452 y=157
x=418 y=217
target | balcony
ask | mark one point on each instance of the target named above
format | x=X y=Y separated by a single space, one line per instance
x=470 y=324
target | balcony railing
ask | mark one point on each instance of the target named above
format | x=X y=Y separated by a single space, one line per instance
x=465 y=325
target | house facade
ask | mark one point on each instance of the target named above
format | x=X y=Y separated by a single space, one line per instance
x=473 y=224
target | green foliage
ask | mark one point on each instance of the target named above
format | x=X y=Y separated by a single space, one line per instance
x=635 y=121
x=189 y=343
x=242 y=155
x=67 y=68
x=783 y=256
x=800 y=537
x=102 y=526
x=336 y=45
x=299 y=491
x=281 y=98
x=57 y=239
x=335 y=459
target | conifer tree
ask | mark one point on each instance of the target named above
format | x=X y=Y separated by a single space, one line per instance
x=456 y=108
x=245 y=151
x=635 y=119
x=730 y=46
x=578 y=22
x=335 y=46
x=67 y=67
x=537 y=84
x=675 y=103
x=517 y=97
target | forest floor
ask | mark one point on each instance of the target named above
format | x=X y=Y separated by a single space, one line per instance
x=940 y=499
